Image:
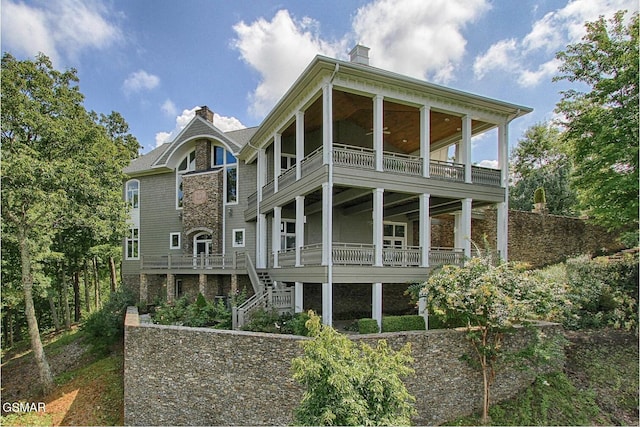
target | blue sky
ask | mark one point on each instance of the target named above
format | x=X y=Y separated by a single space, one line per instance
x=156 y=61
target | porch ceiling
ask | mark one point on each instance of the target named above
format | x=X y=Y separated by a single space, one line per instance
x=401 y=122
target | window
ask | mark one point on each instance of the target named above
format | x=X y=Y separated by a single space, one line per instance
x=238 y=237
x=174 y=241
x=222 y=158
x=287 y=161
x=188 y=164
x=133 y=193
x=394 y=234
x=287 y=234
x=178 y=288
x=133 y=243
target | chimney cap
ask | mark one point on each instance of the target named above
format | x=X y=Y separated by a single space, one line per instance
x=359 y=54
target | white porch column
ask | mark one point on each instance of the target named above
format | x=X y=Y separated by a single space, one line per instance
x=503 y=154
x=327 y=122
x=261 y=247
x=466 y=147
x=425 y=139
x=424 y=229
x=299 y=142
x=465 y=225
x=277 y=153
x=275 y=234
x=298 y=304
x=327 y=223
x=299 y=229
x=502 y=222
x=327 y=303
x=376 y=303
x=378 y=123
x=378 y=220
x=261 y=171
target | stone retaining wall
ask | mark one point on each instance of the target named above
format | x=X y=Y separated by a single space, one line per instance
x=195 y=376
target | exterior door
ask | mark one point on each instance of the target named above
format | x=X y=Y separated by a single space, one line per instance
x=202 y=248
x=393 y=243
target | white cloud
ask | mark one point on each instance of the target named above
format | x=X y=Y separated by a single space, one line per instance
x=140 y=80
x=418 y=38
x=551 y=33
x=223 y=123
x=279 y=50
x=493 y=164
x=57 y=28
x=169 y=108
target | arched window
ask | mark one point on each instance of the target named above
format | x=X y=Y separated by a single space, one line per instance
x=188 y=164
x=223 y=158
x=133 y=193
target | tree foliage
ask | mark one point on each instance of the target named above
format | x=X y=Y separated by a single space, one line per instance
x=61 y=176
x=490 y=300
x=602 y=122
x=351 y=385
x=538 y=161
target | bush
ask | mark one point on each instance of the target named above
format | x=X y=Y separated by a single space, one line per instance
x=271 y=322
x=403 y=323
x=201 y=313
x=105 y=327
x=368 y=326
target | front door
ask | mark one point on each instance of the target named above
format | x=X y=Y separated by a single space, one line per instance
x=202 y=248
x=393 y=243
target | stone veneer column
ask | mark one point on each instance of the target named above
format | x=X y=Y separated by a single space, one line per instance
x=234 y=284
x=202 y=283
x=171 y=287
x=143 y=288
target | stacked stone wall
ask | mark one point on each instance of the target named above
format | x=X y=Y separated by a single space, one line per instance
x=534 y=238
x=203 y=204
x=195 y=376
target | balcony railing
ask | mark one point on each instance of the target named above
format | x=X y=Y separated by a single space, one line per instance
x=311 y=163
x=354 y=157
x=487 y=176
x=446 y=170
x=288 y=177
x=408 y=256
x=444 y=256
x=190 y=262
x=401 y=164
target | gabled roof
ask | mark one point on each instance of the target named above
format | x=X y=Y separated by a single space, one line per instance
x=158 y=159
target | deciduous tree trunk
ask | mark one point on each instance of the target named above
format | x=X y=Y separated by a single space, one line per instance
x=54 y=311
x=96 y=282
x=44 y=371
x=112 y=272
x=87 y=292
x=76 y=296
x=65 y=297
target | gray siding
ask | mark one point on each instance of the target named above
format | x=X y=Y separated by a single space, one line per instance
x=234 y=213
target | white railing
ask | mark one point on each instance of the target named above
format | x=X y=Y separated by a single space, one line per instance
x=487 y=176
x=267 y=190
x=445 y=256
x=252 y=200
x=287 y=178
x=356 y=157
x=311 y=162
x=240 y=315
x=287 y=258
x=408 y=256
x=446 y=170
x=282 y=300
x=217 y=261
x=401 y=164
x=353 y=253
x=312 y=254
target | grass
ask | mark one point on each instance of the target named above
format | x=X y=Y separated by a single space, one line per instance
x=88 y=389
x=599 y=386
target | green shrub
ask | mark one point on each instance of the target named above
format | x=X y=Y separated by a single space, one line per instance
x=299 y=324
x=271 y=322
x=368 y=326
x=201 y=313
x=105 y=327
x=402 y=323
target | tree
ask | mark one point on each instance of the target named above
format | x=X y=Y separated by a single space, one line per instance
x=347 y=385
x=539 y=162
x=602 y=123
x=62 y=171
x=490 y=300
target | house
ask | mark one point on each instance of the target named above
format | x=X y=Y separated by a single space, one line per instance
x=327 y=204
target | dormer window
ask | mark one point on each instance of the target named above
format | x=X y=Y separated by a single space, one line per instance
x=188 y=164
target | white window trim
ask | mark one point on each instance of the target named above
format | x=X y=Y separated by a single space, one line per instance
x=233 y=236
x=127 y=193
x=171 y=246
x=225 y=167
x=128 y=239
x=179 y=174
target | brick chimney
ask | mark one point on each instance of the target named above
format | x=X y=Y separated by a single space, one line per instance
x=205 y=113
x=359 y=54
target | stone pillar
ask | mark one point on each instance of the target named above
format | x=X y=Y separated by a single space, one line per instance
x=299 y=297
x=202 y=284
x=376 y=303
x=171 y=287
x=143 y=288
x=234 y=284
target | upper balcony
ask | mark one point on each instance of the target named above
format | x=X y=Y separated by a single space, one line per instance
x=354 y=160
